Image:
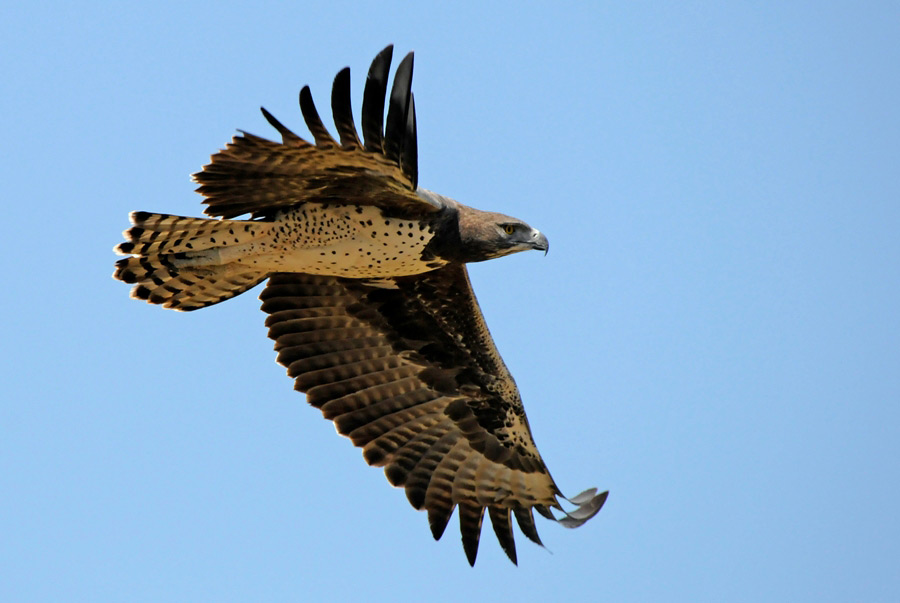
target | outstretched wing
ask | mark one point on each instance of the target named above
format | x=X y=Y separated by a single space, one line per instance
x=406 y=368
x=256 y=176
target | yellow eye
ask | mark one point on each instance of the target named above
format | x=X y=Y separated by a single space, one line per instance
x=509 y=229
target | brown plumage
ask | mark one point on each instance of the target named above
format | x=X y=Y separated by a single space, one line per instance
x=369 y=303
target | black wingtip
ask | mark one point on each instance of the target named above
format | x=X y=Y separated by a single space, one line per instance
x=409 y=154
x=313 y=121
x=525 y=519
x=341 y=109
x=438 y=520
x=503 y=530
x=398 y=109
x=470 y=519
x=373 y=100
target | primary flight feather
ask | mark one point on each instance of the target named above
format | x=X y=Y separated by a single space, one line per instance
x=368 y=301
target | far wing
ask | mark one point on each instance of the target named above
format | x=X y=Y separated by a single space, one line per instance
x=407 y=369
x=256 y=176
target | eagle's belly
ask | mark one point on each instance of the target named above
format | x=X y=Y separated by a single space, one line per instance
x=341 y=240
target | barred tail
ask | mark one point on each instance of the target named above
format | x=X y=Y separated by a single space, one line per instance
x=177 y=261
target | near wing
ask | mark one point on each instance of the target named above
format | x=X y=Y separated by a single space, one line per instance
x=254 y=175
x=406 y=368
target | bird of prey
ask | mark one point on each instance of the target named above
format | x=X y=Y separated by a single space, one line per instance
x=368 y=301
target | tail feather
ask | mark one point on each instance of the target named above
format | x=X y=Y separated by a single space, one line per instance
x=164 y=233
x=189 y=288
x=174 y=261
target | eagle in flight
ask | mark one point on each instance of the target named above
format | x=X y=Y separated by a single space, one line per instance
x=368 y=301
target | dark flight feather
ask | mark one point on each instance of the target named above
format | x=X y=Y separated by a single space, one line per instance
x=373 y=100
x=342 y=111
x=399 y=370
x=396 y=129
x=409 y=154
x=470 y=518
x=503 y=530
x=525 y=519
x=438 y=519
x=313 y=121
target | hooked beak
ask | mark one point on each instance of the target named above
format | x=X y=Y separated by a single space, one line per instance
x=539 y=241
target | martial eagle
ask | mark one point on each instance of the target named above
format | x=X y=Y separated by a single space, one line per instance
x=368 y=301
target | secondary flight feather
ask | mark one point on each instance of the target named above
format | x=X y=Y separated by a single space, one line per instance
x=369 y=302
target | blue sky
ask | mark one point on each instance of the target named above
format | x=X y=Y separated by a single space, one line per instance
x=714 y=336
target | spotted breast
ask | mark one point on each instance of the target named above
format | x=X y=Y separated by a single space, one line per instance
x=340 y=240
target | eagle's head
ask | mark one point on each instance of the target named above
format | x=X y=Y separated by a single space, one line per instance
x=488 y=235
